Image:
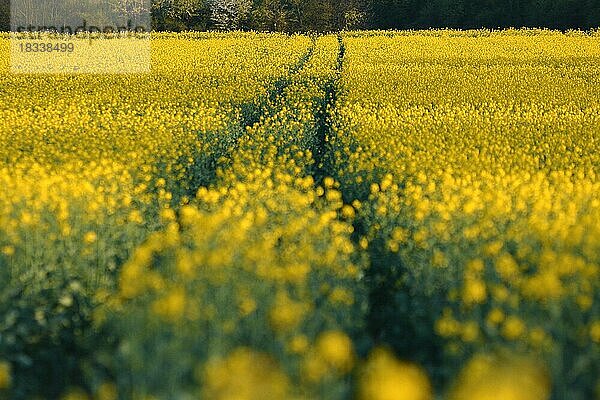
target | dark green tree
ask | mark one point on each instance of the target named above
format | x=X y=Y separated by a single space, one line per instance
x=4 y=15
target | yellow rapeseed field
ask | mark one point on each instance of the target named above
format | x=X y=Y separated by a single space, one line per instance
x=369 y=215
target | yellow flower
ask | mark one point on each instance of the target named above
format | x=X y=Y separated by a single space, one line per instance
x=247 y=306
x=8 y=250
x=244 y=375
x=474 y=291
x=333 y=195
x=341 y=295
x=5 y=375
x=363 y=243
x=506 y=377
x=507 y=267
x=513 y=328
x=348 y=212
x=470 y=331
x=538 y=337
x=298 y=344
x=542 y=286
x=328 y=182
x=136 y=217
x=185 y=264
x=438 y=259
x=189 y=215
x=314 y=368
x=386 y=378
x=286 y=314
x=336 y=349
x=107 y=391
x=495 y=316
x=168 y=215
x=447 y=326
x=76 y=394
x=475 y=266
x=595 y=331
x=90 y=237
x=584 y=302
x=171 y=306
x=500 y=293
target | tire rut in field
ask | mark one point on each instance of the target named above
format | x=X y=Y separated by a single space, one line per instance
x=399 y=328
x=324 y=118
x=203 y=172
x=278 y=88
x=251 y=113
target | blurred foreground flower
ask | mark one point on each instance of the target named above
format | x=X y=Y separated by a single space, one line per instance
x=335 y=348
x=5 y=375
x=244 y=375
x=386 y=378
x=502 y=376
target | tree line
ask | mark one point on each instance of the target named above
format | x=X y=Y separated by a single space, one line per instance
x=332 y=15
